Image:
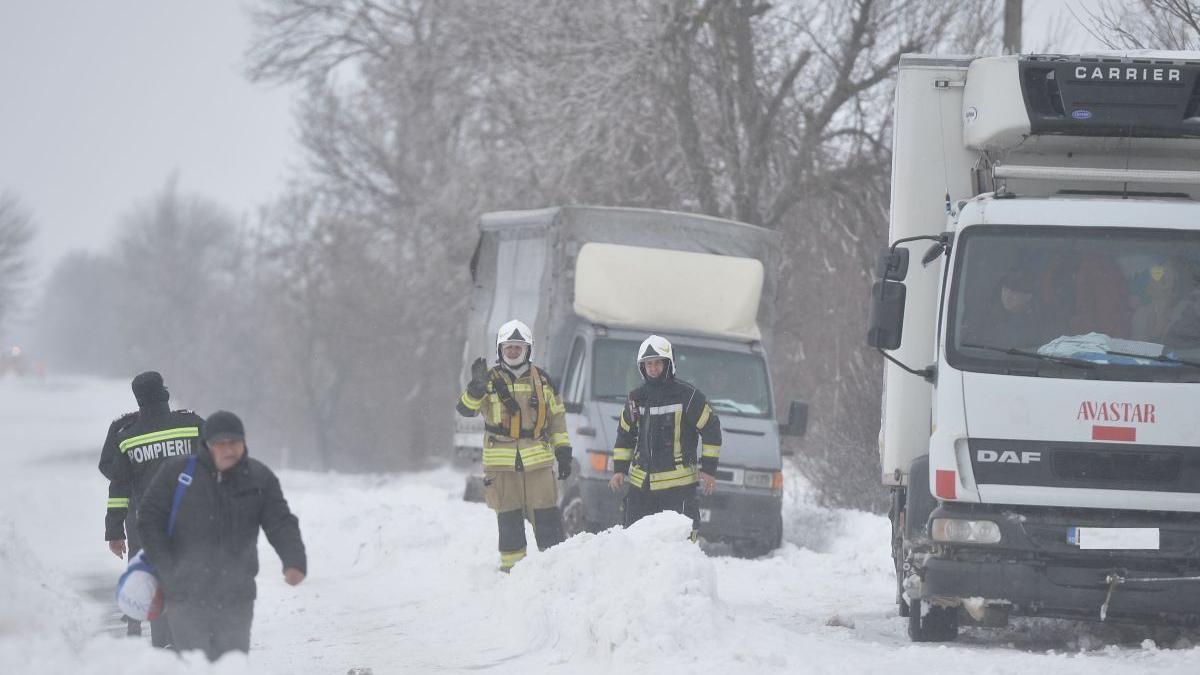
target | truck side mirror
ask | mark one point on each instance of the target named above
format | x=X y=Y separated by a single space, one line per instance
x=892 y=264
x=887 y=314
x=797 y=423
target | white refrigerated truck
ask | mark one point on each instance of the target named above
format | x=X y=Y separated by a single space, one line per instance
x=1041 y=410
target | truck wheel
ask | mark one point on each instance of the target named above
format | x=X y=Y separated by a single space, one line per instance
x=939 y=624
x=573 y=515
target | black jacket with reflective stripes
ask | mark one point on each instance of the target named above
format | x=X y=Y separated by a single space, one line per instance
x=658 y=432
x=158 y=434
x=109 y=451
x=212 y=556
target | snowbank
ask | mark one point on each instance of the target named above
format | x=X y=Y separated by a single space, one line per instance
x=645 y=594
x=47 y=628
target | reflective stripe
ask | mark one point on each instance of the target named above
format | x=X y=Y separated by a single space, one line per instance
x=536 y=456
x=515 y=388
x=539 y=391
x=665 y=409
x=503 y=456
x=661 y=480
x=507 y=560
x=469 y=402
x=704 y=415
x=556 y=405
x=710 y=450
x=677 y=448
x=494 y=408
x=560 y=438
x=624 y=424
x=622 y=454
x=164 y=435
x=118 y=502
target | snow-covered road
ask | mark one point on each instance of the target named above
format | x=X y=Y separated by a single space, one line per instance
x=402 y=579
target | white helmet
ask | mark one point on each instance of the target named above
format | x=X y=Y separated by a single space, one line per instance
x=514 y=332
x=656 y=347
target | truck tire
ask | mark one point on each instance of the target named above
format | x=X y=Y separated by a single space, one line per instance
x=938 y=624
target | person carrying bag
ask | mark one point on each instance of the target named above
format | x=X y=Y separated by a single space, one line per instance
x=138 y=593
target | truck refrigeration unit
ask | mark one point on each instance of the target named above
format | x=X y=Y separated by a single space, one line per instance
x=1041 y=410
x=593 y=282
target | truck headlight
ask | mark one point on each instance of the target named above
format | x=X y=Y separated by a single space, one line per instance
x=961 y=531
x=758 y=479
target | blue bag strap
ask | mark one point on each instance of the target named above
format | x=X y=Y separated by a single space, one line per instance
x=185 y=479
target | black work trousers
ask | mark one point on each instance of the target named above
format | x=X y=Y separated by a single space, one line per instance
x=215 y=627
x=640 y=503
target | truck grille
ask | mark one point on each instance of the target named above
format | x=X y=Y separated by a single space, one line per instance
x=1117 y=466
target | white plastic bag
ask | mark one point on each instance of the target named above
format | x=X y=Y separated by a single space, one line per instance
x=138 y=594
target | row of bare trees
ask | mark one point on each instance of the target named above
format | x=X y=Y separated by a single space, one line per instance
x=16 y=236
x=335 y=319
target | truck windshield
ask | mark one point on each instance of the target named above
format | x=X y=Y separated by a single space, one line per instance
x=1096 y=303
x=734 y=382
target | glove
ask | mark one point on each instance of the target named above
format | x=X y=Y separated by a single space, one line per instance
x=477 y=387
x=563 y=455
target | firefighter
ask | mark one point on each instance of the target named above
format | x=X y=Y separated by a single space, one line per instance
x=656 y=441
x=157 y=434
x=523 y=419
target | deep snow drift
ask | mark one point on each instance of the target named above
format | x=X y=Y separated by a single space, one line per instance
x=402 y=579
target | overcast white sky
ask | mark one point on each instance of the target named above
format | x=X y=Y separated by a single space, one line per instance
x=102 y=100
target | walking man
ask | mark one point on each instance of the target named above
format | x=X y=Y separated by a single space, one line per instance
x=523 y=418
x=138 y=449
x=656 y=440
x=208 y=563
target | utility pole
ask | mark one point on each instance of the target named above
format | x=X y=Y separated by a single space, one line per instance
x=1012 y=26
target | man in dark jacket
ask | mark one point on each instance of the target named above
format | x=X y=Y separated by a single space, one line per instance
x=656 y=440
x=208 y=564
x=141 y=447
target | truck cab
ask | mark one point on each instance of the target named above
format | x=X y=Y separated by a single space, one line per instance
x=1039 y=432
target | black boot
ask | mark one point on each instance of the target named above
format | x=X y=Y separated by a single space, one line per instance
x=133 y=627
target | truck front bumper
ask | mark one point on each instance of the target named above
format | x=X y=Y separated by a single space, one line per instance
x=1036 y=570
x=738 y=514
x=729 y=514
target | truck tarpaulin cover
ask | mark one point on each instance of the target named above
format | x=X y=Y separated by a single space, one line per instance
x=636 y=286
x=525 y=265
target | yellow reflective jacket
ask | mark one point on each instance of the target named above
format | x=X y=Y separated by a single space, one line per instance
x=524 y=419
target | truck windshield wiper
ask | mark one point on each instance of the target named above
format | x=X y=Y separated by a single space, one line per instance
x=1161 y=358
x=1029 y=353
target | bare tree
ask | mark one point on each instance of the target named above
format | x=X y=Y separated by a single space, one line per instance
x=423 y=113
x=1146 y=24
x=16 y=234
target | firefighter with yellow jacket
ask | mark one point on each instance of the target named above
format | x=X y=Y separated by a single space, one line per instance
x=656 y=440
x=525 y=432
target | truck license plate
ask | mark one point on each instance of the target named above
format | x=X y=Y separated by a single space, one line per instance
x=705 y=515
x=1114 y=538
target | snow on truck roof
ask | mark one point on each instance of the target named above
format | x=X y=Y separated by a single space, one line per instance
x=502 y=220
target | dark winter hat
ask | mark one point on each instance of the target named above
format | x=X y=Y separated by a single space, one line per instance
x=148 y=388
x=223 y=426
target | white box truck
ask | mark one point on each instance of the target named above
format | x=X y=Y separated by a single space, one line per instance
x=592 y=283
x=1041 y=409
